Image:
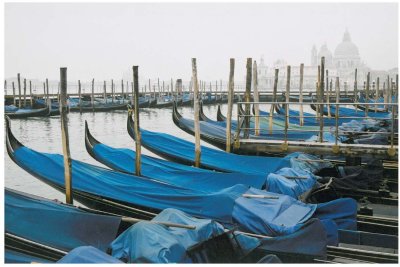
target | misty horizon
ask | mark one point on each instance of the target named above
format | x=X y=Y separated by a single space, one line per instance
x=103 y=40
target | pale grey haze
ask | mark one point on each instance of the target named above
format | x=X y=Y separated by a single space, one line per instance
x=103 y=41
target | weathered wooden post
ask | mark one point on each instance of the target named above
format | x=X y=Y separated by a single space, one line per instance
x=287 y=95
x=104 y=92
x=247 y=97
x=92 y=98
x=396 y=93
x=328 y=95
x=196 y=115
x=30 y=92
x=345 y=88
x=367 y=95
x=230 y=105
x=355 y=88
x=122 y=90
x=24 y=93
x=274 y=99
x=14 y=98
x=44 y=91
x=172 y=89
x=376 y=94
x=65 y=137
x=256 y=99
x=58 y=92
x=127 y=89
x=138 y=168
x=321 y=109
x=19 y=91
x=390 y=90
x=48 y=92
x=112 y=91
x=301 y=123
x=317 y=91
x=79 y=96
x=337 y=89
x=158 y=86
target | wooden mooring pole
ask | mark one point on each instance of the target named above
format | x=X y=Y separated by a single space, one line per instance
x=196 y=115
x=30 y=92
x=47 y=92
x=138 y=168
x=122 y=89
x=14 y=99
x=328 y=94
x=377 y=94
x=65 y=137
x=321 y=108
x=355 y=88
x=105 y=92
x=230 y=105
x=247 y=97
x=19 y=91
x=367 y=95
x=287 y=95
x=24 y=93
x=256 y=99
x=274 y=99
x=112 y=91
x=79 y=96
x=301 y=122
x=92 y=98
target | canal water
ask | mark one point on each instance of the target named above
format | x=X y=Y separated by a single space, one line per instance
x=44 y=135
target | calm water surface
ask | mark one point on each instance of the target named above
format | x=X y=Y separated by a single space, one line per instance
x=44 y=135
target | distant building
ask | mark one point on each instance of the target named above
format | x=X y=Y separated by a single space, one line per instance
x=341 y=63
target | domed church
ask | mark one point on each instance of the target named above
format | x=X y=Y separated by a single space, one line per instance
x=341 y=63
x=345 y=60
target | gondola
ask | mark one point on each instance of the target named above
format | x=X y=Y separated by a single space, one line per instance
x=27 y=113
x=348 y=112
x=308 y=98
x=152 y=102
x=215 y=132
x=121 y=193
x=277 y=124
x=55 y=229
x=220 y=116
x=283 y=181
x=99 y=107
x=294 y=117
x=181 y=151
x=346 y=132
x=47 y=229
x=185 y=176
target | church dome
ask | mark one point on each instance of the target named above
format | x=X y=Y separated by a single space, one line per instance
x=346 y=47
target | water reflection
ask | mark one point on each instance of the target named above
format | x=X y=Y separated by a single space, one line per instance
x=44 y=135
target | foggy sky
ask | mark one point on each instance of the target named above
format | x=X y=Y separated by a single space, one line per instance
x=103 y=41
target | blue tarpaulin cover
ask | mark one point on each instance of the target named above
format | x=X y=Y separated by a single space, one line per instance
x=176 y=148
x=174 y=173
x=11 y=256
x=195 y=178
x=278 y=183
x=59 y=226
x=349 y=112
x=311 y=239
x=294 y=117
x=147 y=242
x=88 y=254
x=259 y=215
x=216 y=130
